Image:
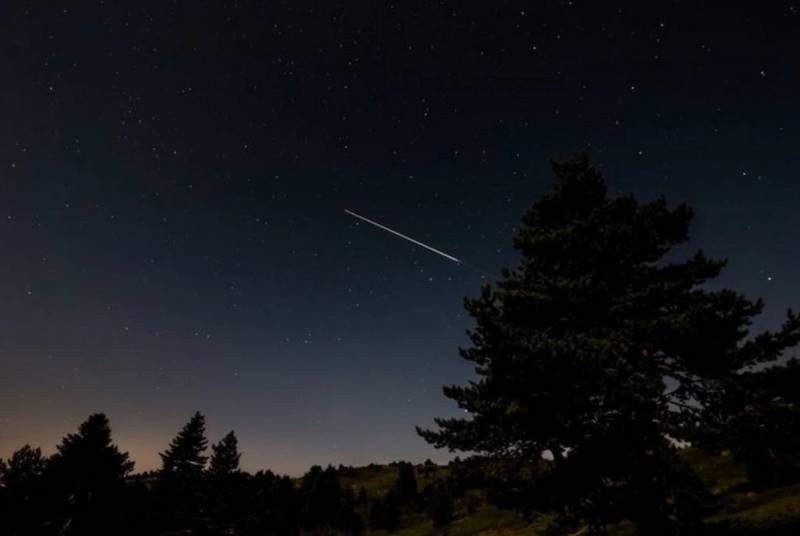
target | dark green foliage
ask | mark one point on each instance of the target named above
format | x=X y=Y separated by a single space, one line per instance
x=184 y=458
x=38 y=498
x=321 y=493
x=226 y=494
x=225 y=456
x=348 y=520
x=595 y=349
x=179 y=490
x=3 y=496
x=429 y=468
x=268 y=506
x=282 y=506
x=346 y=470
x=467 y=474
x=406 y=484
x=87 y=473
x=22 y=492
x=384 y=512
x=757 y=416
x=440 y=505
x=285 y=506
x=472 y=502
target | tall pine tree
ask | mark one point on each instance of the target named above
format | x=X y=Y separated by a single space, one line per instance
x=88 y=475
x=182 y=495
x=597 y=351
x=184 y=457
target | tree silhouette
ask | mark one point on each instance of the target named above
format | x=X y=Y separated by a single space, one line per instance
x=595 y=349
x=348 y=520
x=225 y=456
x=88 y=472
x=384 y=512
x=429 y=468
x=184 y=458
x=441 y=505
x=21 y=492
x=406 y=484
x=321 y=493
x=757 y=416
x=285 y=508
x=181 y=493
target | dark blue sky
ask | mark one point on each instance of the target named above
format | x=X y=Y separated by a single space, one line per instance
x=173 y=177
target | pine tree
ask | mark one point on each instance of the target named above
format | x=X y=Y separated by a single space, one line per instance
x=321 y=493
x=406 y=484
x=384 y=512
x=184 y=458
x=91 y=456
x=441 y=505
x=21 y=487
x=88 y=471
x=23 y=470
x=595 y=349
x=285 y=507
x=348 y=521
x=225 y=456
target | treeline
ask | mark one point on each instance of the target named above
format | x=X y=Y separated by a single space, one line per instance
x=88 y=487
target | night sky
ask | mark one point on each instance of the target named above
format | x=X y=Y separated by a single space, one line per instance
x=173 y=177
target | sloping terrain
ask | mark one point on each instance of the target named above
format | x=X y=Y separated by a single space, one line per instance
x=740 y=510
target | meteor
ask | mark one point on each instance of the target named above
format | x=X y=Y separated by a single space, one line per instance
x=404 y=237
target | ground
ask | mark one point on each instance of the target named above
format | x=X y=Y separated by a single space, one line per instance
x=774 y=511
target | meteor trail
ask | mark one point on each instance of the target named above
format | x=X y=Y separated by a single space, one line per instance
x=401 y=235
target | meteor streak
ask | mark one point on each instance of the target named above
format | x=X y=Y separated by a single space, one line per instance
x=404 y=237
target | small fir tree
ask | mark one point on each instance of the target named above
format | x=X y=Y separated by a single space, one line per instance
x=184 y=457
x=406 y=484
x=225 y=456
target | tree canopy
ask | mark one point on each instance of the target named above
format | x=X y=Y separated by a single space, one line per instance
x=86 y=479
x=600 y=351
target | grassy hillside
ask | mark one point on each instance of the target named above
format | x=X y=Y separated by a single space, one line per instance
x=773 y=511
x=740 y=510
x=473 y=515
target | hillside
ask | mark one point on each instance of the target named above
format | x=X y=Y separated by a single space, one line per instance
x=738 y=510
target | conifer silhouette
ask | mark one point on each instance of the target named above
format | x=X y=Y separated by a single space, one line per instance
x=184 y=457
x=598 y=352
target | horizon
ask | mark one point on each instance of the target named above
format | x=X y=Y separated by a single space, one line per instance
x=295 y=468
